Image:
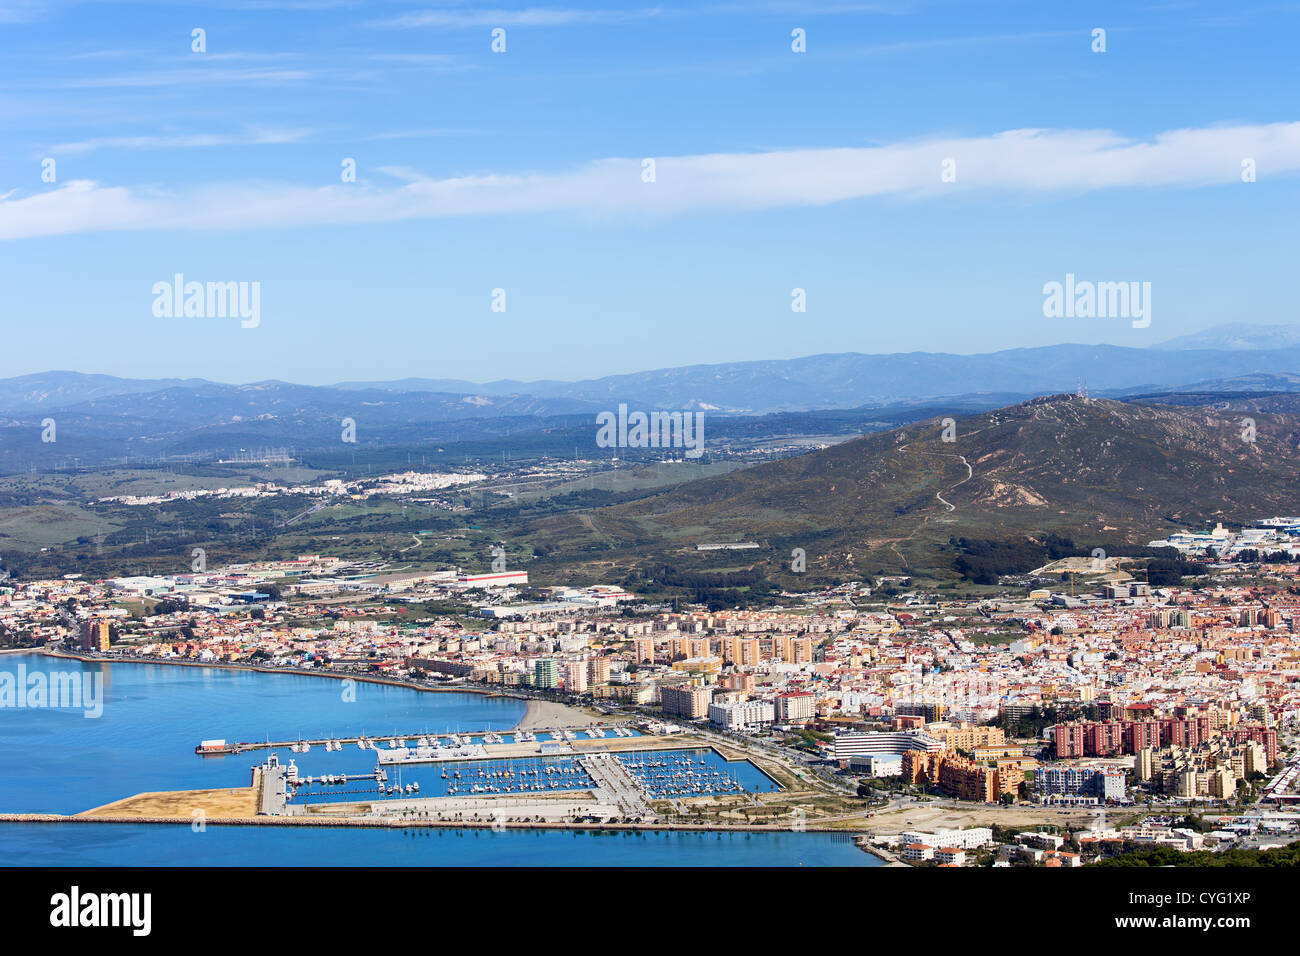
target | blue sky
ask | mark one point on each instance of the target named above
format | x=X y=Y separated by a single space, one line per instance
x=521 y=170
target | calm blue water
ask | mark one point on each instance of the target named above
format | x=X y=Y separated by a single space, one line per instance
x=694 y=773
x=73 y=844
x=59 y=761
x=155 y=714
x=542 y=774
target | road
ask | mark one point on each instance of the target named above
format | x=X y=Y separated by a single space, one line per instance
x=970 y=473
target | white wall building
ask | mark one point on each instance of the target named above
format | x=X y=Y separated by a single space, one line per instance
x=968 y=839
x=743 y=715
x=883 y=742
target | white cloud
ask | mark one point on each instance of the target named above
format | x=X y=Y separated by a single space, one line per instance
x=527 y=17
x=22 y=11
x=180 y=141
x=1013 y=162
x=207 y=77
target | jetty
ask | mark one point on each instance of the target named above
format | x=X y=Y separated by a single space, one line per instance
x=490 y=738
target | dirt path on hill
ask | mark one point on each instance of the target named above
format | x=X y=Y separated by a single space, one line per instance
x=970 y=473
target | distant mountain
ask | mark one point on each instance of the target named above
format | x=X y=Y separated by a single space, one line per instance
x=846 y=380
x=45 y=390
x=1094 y=471
x=206 y=419
x=1261 y=382
x=209 y=403
x=1237 y=337
x=499 y=387
x=850 y=379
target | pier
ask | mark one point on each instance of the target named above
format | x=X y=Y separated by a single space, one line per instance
x=444 y=739
x=616 y=784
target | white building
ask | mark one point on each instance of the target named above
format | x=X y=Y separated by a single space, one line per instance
x=969 y=839
x=883 y=742
x=575 y=677
x=743 y=715
x=795 y=705
x=500 y=579
x=917 y=852
x=877 y=765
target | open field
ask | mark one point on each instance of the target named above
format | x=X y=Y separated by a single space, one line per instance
x=32 y=527
x=940 y=817
x=236 y=803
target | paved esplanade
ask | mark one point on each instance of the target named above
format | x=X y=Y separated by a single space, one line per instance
x=612 y=777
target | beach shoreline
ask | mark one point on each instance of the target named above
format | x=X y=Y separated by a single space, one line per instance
x=541 y=714
x=538 y=714
x=300 y=672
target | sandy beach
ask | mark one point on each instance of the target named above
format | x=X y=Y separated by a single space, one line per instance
x=545 y=713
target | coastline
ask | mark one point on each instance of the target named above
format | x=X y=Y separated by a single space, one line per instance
x=538 y=714
x=772 y=846
x=225 y=665
x=886 y=856
x=394 y=823
x=541 y=714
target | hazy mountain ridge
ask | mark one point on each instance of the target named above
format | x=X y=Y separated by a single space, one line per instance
x=59 y=389
x=846 y=380
x=828 y=381
x=1237 y=336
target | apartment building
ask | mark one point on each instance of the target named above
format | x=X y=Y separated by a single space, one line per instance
x=971 y=838
x=853 y=743
x=1103 y=784
x=743 y=715
x=795 y=707
x=962 y=778
x=964 y=736
x=94 y=634
x=688 y=701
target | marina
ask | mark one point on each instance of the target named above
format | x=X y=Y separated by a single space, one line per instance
x=423 y=740
x=335 y=791
x=679 y=774
x=428 y=754
x=599 y=783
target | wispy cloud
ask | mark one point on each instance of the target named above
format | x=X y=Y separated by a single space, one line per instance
x=467 y=17
x=426 y=133
x=464 y=16
x=261 y=137
x=205 y=76
x=1012 y=162
x=23 y=11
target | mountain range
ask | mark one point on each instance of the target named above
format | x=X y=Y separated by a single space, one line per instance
x=108 y=418
x=1093 y=470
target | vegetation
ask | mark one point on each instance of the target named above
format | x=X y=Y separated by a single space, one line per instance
x=1038 y=719
x=1168 y=856
x=984 y=561
x=1055 y=478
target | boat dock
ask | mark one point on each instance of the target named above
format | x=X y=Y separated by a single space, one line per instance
x=616 y=785
x=432 y=754
x=423 y=737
